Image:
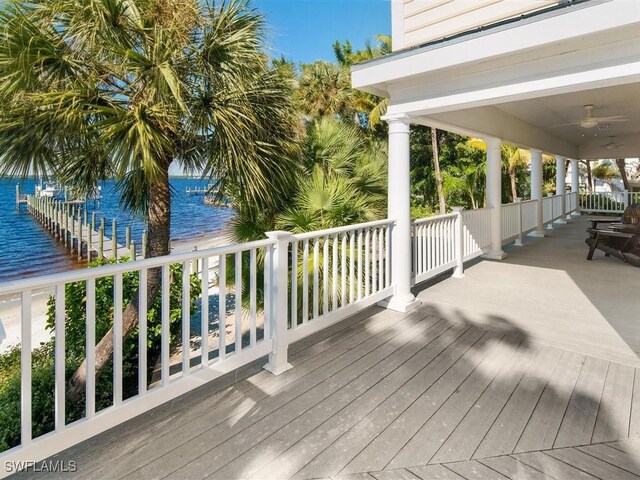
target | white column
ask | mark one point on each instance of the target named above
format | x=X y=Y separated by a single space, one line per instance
x=399 y=209
x=575 y=183
x=494 y=196
x=561 y=174
x=536 y=191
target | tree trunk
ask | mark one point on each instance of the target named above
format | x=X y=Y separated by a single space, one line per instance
x=158 y=224
x=436 y=167
x=512 y=177
x=589 y=177
x=621 y=163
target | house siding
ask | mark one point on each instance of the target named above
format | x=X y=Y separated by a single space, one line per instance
x=420 y=21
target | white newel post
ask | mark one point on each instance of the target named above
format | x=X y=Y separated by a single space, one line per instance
x=494 y=196
x=536 y=191
x=279 y=303
x=518 y=242
x=458 y=271
x=575 y=184
x=561 y=174
x=399 y=209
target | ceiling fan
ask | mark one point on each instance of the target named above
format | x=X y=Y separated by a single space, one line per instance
x=612 y=145
x=589 y=121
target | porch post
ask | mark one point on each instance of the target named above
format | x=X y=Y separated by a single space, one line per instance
x=399 y=209
x=536 y=191
x=561 y=174
x=575 y=183
x=494 y=196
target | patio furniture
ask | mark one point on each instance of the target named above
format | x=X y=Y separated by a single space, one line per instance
x=631 y=216
x=621 y=241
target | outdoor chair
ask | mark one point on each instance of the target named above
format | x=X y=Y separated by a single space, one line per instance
x=621 y=241
x=630 y=216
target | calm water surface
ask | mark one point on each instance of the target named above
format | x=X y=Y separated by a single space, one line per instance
x=26 y=249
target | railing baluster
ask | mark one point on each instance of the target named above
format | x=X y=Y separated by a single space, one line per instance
x=117 y=339
x=352 y=265
x=325 y=275
x=343 y=271
x=374 y=270
x=268 y=276
x=360 y=266
x=334 y=266
x=381 y=258
x=252 y=297
x=204 y=313
x=60 y=376
x=25 y=369
x=222 y=307
x=90 y=372
x=238 y=302
x=316 y=273
x=142 y=331
x=367 y=260
x=387 y=272
x=294 y=284
x=305 y=281
x=186 y=318
x=164 y=319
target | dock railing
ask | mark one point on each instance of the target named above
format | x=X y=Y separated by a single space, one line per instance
x=184 y=319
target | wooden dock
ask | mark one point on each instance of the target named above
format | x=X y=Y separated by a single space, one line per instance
x=81 y=233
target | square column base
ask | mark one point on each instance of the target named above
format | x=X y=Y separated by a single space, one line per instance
x=278 y=370
x=495 y=255
x=576 y=213
x=536 y=234
x=560 y=221
x=402 y=305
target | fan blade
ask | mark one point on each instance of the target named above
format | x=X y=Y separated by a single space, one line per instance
x=618 y=118
x=565 y=124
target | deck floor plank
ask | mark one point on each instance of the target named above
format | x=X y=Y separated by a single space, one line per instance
x=542 y=428
x=466 y=437
x=580 y=419
x=507 y=429
x=338 y=454
x=552 y=467
x=428 y=440
x=591 y=464
x=615 y=408
x=474 y=470
x=266 y=460
x=384 y=448
x=513 y=469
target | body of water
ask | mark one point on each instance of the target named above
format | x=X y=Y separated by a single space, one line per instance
x=27 y=249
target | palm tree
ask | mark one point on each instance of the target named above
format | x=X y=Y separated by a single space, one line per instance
x=514 y=159
x=324 y=89
x=96 y=89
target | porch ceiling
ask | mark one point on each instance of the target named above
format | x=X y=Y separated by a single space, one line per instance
x=522 y=83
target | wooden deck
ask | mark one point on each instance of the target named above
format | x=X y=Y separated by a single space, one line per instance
x=447 y=391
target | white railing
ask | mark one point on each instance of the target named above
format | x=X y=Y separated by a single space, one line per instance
x=336 y=272
x=607 y=202
x=254 y=299
x=435 y=245
x=442 y=242
x=511 y=221
x=529 y=215
x=476 y=232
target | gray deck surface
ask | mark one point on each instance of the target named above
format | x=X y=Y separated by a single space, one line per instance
x=524 y=369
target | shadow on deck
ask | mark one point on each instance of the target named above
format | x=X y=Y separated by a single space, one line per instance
x=470 y=385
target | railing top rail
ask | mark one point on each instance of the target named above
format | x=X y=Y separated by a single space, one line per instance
x=476 y=210
x=434 y=217
x=347 y=228
x=46 y=281
x=531 y=200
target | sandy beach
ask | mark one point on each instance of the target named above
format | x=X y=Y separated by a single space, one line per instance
x=10 y=310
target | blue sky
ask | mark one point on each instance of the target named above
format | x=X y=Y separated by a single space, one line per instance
x=304 y=30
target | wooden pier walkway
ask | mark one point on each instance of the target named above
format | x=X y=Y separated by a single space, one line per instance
x=71 y=225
